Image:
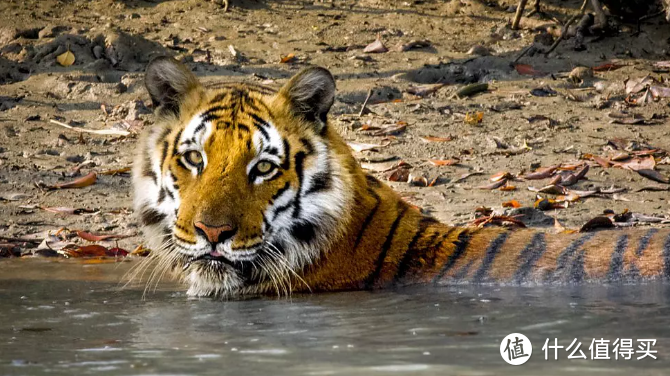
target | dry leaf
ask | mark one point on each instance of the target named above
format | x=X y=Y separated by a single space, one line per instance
x=443 y=162
x=527 y=70
x=81 y=182
x=98 y=238
x=502 y=175
x=375 y=47
x=359 y=146
x=595 y=223
x=511 y=204
x=494 y=185
x=541 y=173
x=287 y=59
x=66 y=58
x=75 y=251
x=436 y=139
x=474 y=118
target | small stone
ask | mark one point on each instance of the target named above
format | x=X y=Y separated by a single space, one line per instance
x=31 y=33
x=479 y=50
x=75 y=158
x=52 y=31
x=98 y=52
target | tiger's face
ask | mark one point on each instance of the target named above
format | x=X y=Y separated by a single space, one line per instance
x=239 y=188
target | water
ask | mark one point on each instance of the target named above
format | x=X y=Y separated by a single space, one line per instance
x=71 y=319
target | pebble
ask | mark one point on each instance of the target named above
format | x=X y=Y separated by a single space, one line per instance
x=479 y=50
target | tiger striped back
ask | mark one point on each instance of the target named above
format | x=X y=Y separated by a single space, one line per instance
x=244 y=190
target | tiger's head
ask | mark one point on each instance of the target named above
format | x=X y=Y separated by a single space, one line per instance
x=239 y=187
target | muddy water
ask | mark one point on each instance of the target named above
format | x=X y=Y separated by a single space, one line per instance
x=71 y=319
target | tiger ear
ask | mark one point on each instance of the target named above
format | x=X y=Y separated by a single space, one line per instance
x=310 y=94
x=168 y=81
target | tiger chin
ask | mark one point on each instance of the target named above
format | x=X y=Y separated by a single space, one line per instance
x=245 y=190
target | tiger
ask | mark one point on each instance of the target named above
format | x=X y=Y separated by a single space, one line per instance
x=245 y=190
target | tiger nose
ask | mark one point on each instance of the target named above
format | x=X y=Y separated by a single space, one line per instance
x=214 y=234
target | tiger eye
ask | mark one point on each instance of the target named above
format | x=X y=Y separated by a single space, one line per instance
x=264 y=167
x=193 y=157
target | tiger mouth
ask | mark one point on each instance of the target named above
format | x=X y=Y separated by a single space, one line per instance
x=241 y=258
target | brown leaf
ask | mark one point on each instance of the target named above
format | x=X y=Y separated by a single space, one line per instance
x=413 y=44
x=98 y=238
x=436 y=139
x=93 y=250
x=118 y=171
x=607 y=67
x=511 y=204
x=422 y=91
x=287 y=58
x=400 y=174
x=443 y=162
x=654 y=175
x=384 y=166
x=474 y=118
x=502 y=175
x=81 y=182
x=359 y=146
x=508 y=187
x=494 y=185
x=596 y=223
x=375 y=47
x=541 y=173
x=527 y=70
x=64 y=210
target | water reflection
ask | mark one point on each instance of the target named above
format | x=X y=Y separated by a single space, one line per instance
x=55 y=325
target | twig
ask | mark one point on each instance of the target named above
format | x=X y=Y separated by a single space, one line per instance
x=564 y=31
x=536 y=9
x=110 y=132
x=644 y=18
x=365 y=103
x=523 y=53
x=519 y=13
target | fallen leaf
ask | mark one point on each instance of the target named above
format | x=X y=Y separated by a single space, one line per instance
x=98 y=238
x=118 y=171
x=541 y=173
x=112 y=132
x=553 y=189
x=607 y=67
x=65 y=210
x=422 y=91
x=508 y=188
x=474 y=118
x=287 y=59
x=66 y=59
x=443 y=162
x=376 y=47
x=497 y=220
x=654 y=175
x=544 y=91
x=436 y=139
x=383 y=167
x=400 y=174
x=494 y=185
x=511 y=204
x=81 y=182
x=13 y=196
x=94 y=250
x=548 y=204
x=412 y=45
x=527 y=70
x=359 y=146
x=596 y=223
x=502 y=175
